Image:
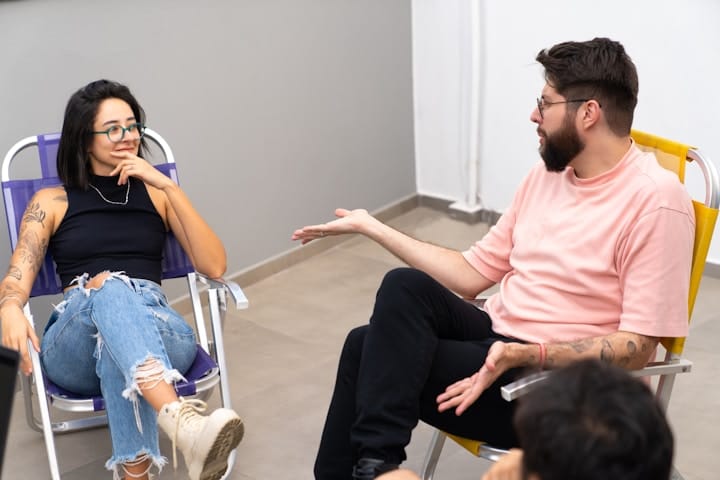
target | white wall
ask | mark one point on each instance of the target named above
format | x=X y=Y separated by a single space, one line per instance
x=675 y=45
x=441 y=90
x=278 y=111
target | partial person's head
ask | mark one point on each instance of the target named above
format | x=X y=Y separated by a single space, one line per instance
x=596 y=77
x=593 y=421
x=101 y=117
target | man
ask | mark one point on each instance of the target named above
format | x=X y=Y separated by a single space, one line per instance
x=589 y=420
x=582 y=257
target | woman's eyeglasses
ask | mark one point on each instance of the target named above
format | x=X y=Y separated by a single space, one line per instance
x=116 y=133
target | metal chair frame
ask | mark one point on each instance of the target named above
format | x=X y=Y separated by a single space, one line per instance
x=211 y=351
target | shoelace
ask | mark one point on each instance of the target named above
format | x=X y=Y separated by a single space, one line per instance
x=188 y=412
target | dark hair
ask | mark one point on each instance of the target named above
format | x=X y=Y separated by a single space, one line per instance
x=73 y=159
x=598 y=69
x=593 y=421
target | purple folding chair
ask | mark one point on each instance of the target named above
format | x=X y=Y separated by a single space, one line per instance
x=208 y=369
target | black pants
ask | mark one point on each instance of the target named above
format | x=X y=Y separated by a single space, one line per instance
x=420 y=339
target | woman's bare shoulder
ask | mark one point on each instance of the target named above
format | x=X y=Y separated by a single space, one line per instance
x=53 y=194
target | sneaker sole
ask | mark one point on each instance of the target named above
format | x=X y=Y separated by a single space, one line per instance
x=226 y=441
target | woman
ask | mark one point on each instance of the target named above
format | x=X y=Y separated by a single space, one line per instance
x=114 y=332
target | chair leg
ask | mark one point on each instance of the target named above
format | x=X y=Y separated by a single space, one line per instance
x=231 y=464
x=433 y=455
x=216 y=319
x=45 y=415
x=27 y=388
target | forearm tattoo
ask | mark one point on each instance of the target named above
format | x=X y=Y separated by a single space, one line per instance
x=583 y=345
x=607 y=353
x=14 y=272
x=31 y=247
x=579 y=347
x=11 y=292
x=621 y=351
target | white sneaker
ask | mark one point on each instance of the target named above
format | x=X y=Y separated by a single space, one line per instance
x=205 y=441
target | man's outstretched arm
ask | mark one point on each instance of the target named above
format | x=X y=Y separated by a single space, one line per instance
x=445 y=265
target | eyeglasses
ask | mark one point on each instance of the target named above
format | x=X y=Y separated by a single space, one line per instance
x=542 y=104
x=116 y=133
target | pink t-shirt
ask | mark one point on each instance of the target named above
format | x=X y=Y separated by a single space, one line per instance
x=578 y=258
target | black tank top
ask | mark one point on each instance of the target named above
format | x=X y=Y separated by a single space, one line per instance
x=96 y=235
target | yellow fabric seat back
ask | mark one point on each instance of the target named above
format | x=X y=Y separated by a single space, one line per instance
x=674 y=156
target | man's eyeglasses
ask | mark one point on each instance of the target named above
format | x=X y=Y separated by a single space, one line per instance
x=542 y=104
x=116 y=133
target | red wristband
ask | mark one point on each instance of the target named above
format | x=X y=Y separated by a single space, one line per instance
x=543 y=355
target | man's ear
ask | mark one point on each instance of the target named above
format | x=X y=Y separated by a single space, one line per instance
x=591 y=112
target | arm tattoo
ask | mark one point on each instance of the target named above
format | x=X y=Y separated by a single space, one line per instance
x=579 y=347
x=9 y=292
x=607 y=354
x=582 y=345
x=34 y=214
x=625 y=360
x=31 y=249
x=14 y=272
x=625 y=350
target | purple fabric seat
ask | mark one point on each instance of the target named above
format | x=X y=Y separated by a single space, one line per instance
x=202 y=365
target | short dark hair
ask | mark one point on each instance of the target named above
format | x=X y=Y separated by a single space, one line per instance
x=594 y=421
x=73 y=160
x=597 y=69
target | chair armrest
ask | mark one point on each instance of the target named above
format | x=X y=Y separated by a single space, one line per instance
x=668 y=367
x=522 y=386
x=238 y=296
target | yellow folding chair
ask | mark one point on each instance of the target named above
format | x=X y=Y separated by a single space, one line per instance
x=672 y=156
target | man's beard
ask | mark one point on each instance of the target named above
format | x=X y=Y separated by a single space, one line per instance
x=561 y=147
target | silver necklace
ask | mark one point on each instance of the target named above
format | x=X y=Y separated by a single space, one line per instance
x=127 y=194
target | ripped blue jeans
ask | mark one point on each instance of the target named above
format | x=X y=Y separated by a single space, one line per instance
x=95 y=342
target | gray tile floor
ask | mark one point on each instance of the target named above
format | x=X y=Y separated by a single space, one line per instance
x=283 y=353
